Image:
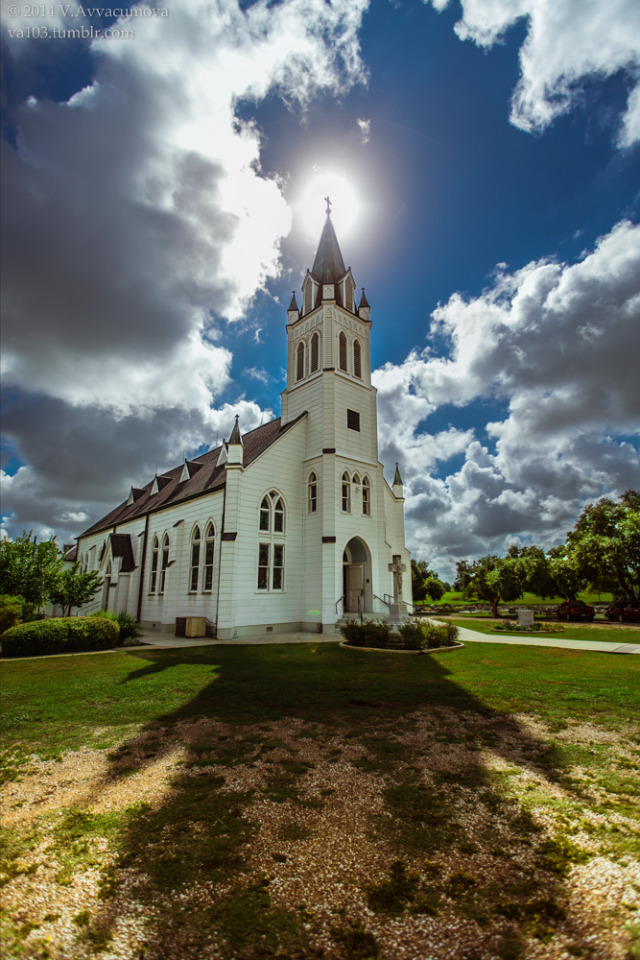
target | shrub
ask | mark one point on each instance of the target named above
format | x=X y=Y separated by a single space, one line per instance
x=10 y=612
x=60 y=635
x=440 y=635
x=129 y=626
x=369 y=633
x=412 y=635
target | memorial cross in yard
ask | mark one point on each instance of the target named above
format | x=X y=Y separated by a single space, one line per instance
x=397 y=568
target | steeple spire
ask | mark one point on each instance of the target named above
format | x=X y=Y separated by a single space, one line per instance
x=328 y=267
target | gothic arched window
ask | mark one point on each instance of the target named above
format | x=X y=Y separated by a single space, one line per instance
x=357 y=360
x=342 y=341
x=315 y=352
x=271 y=545
x=346 y=493
x=153 y=578
x=366 y=497
x=209 y=549
x=195 y=560
x=165 y=562
x=313 y=493
x=300 y=361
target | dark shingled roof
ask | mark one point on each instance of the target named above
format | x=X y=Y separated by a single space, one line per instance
x=206 y=480
x=328 y=267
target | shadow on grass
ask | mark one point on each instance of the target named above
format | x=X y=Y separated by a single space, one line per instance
x=422 y=733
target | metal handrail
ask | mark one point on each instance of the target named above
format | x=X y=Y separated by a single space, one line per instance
x=381 y=600
x=339 y=601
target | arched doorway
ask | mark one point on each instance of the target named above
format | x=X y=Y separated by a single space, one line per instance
x=356 y=577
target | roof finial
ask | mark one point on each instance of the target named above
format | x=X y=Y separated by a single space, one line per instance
x=328 y=203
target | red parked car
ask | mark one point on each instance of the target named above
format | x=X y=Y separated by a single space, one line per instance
x=575 y=610
x=625 y=611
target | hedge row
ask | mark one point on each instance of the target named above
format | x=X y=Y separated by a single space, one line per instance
x=60 y=635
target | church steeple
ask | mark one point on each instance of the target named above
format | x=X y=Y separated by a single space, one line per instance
x=328 y=266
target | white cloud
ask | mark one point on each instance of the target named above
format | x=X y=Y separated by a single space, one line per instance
x=567 y=41
x=135 y=218
x=558 y=345
x=365 y=129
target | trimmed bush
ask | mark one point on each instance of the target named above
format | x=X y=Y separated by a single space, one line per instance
x=369 y=633
x=129 y=626
x=440 y=635
x=412 y=635
x=60 y=635
x=10 y=612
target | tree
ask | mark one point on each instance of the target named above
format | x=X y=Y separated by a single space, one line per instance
x=605 y=545
x=424 y=582
x=492 y=579
x=74 y=588
x=564 y=573
x=29 y=569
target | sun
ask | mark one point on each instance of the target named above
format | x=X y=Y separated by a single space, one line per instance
x=310 y=205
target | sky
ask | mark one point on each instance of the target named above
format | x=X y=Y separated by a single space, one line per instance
x=163 y=169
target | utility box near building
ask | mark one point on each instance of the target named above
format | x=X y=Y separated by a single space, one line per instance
x=196 y=627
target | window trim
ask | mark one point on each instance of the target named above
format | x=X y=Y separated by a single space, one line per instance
x=312 y=493
x=346 y=492
x=343 y=362
x=194 y=565
x=208 y=568
x=270 y=541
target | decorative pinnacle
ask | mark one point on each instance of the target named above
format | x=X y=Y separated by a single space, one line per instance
x=328 y=203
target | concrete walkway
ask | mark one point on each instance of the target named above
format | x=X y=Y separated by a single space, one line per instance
x=595 y=646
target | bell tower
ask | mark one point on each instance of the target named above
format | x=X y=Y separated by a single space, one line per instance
x=329 y=358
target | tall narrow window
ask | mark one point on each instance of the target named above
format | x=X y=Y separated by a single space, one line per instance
x=308 y=297
x=265 y=514
x=300 y=361
x=277 y=582
x=278 y=516
x=165 y=562
x=315 y=352
x=195 y=560
x=342 y=340
x=153 y=579
x=366 y=497
x=346 y=493
x=313 y=493
x=271 y=546
x=348 y=290
x=357 y=360
x=264 y=552
x=209 y=548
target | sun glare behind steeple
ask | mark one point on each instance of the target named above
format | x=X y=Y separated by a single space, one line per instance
x=311 y=207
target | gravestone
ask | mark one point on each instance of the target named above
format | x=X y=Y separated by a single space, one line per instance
x=525 y=617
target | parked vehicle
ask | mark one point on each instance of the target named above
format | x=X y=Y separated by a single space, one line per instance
x=625 y=611
x=575 y=610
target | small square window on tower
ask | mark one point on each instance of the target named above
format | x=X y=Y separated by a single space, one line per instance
x=353 y=420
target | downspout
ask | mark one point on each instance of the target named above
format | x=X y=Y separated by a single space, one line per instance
x=142 y=567
x=224 y=510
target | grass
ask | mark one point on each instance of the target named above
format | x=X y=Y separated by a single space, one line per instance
x=461 y=842
x=571 y=631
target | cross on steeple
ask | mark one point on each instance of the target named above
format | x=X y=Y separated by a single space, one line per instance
x=328 y=203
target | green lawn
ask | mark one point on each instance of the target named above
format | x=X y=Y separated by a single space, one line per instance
x=318 y=803
x=572 y=631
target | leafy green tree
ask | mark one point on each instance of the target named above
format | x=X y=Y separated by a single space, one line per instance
x=424 y=582
x=605 y=545
x=492 y=579
x=29 y=569
x=75 y=588
x=565 y=576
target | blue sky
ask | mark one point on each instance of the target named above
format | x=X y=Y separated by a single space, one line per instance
x=157 y=215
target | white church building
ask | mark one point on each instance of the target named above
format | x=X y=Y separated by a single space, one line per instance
x=288 y=527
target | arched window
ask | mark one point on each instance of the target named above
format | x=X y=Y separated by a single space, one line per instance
x=300 y=361
x=315 y=352
x=265 y=515
x=366 y=497
x=209 y=549
x=357 y=360
x=342 y=341
x=313 y=493
x=271 y=545
x=346 y=493
x=195 y=560
x=153 y=579
x=165 y=562
x=348 y=290
x=308 y=297
x=356 y=479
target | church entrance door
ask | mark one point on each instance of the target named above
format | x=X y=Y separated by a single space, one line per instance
x=355 y=588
